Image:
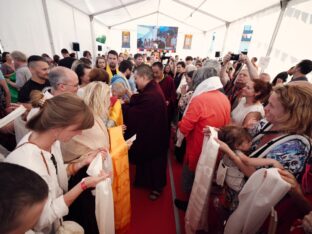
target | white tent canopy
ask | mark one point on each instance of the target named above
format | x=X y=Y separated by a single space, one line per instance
x=282 y=30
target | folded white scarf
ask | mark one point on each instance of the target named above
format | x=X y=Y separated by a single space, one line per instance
x=263 y=190
x=197 y=211
x=104 y=204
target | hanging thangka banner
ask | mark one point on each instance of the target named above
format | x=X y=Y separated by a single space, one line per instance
x=125 y=39
x=187 y=41
x=246 y=39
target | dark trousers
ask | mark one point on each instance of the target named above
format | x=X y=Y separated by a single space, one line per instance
x=82 y=210
x=152 y=174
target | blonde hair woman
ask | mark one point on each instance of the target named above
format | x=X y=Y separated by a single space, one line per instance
x=59 y=119
x=96 y=96
x=284 y=135
x=288 y=114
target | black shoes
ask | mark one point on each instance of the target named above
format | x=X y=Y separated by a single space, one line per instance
x=181 y=205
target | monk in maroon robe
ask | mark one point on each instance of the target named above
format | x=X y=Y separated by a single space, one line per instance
x=146 y=116
x=167 y=86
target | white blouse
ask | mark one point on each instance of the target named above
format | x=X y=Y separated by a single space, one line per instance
x=182 y=82
x=241 y=111
x=31 y=157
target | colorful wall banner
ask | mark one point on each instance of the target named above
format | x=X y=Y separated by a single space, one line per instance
x=158 y=38
x=246 y=39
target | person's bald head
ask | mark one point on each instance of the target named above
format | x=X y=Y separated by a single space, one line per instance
x=63 y=80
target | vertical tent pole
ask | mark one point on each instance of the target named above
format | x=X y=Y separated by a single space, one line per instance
x=277 y=26
x=227 y=25
x=46 y=15
x=93 y=36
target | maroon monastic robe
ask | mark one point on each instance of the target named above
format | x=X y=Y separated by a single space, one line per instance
x=169 y=90
x=146 y=116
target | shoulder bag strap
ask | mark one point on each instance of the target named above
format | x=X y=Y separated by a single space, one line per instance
x=258 y=153
x=43 y=158
x=268 y=125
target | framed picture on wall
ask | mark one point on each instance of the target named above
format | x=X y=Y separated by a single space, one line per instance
x=125 y=39
x=187 y=41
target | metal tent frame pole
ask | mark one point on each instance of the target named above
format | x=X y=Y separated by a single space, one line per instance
x=46 y=16
x=227 y=25
x=277 y=26
x=94 y=48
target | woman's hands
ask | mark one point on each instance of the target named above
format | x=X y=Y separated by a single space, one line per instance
x=227 y=58
x=85 y=160
x=223 y=146
x=129 y=143
x=207 y=132
x=88 y=157
x=290 y=178
x=91 y=182
x=307 y=223
x=277 y=164
x=11 y=107
x=124 y=128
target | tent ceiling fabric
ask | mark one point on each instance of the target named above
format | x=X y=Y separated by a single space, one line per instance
x=205 y=15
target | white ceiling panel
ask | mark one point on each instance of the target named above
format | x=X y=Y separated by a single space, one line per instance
x=114 y=17
x=232 y=10
x=200 y=14
x=142 y=8
x=80 y=4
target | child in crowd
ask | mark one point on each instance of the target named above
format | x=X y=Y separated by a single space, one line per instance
x=120 y=92
x=115 y=111
x=234 y=142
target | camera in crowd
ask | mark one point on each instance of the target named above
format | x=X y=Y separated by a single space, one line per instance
x=234 y=57
x=165 y=59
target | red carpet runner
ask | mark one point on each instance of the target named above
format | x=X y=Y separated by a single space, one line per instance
x=154 y=217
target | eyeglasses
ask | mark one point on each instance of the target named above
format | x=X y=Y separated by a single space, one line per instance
x=75 y=85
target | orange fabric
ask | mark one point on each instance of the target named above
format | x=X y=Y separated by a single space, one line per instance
x=121 y=180
x=210 y=108
x=115 y=113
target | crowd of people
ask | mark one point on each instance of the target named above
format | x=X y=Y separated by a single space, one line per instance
x=77 y=110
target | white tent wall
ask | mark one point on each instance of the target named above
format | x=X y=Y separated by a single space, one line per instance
x=67 y=26
x=199 y=45
x=26 y=30
x=23 y=27
x=114 y=40
x=263 y=25
x=293 y=42
x=217 y=43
